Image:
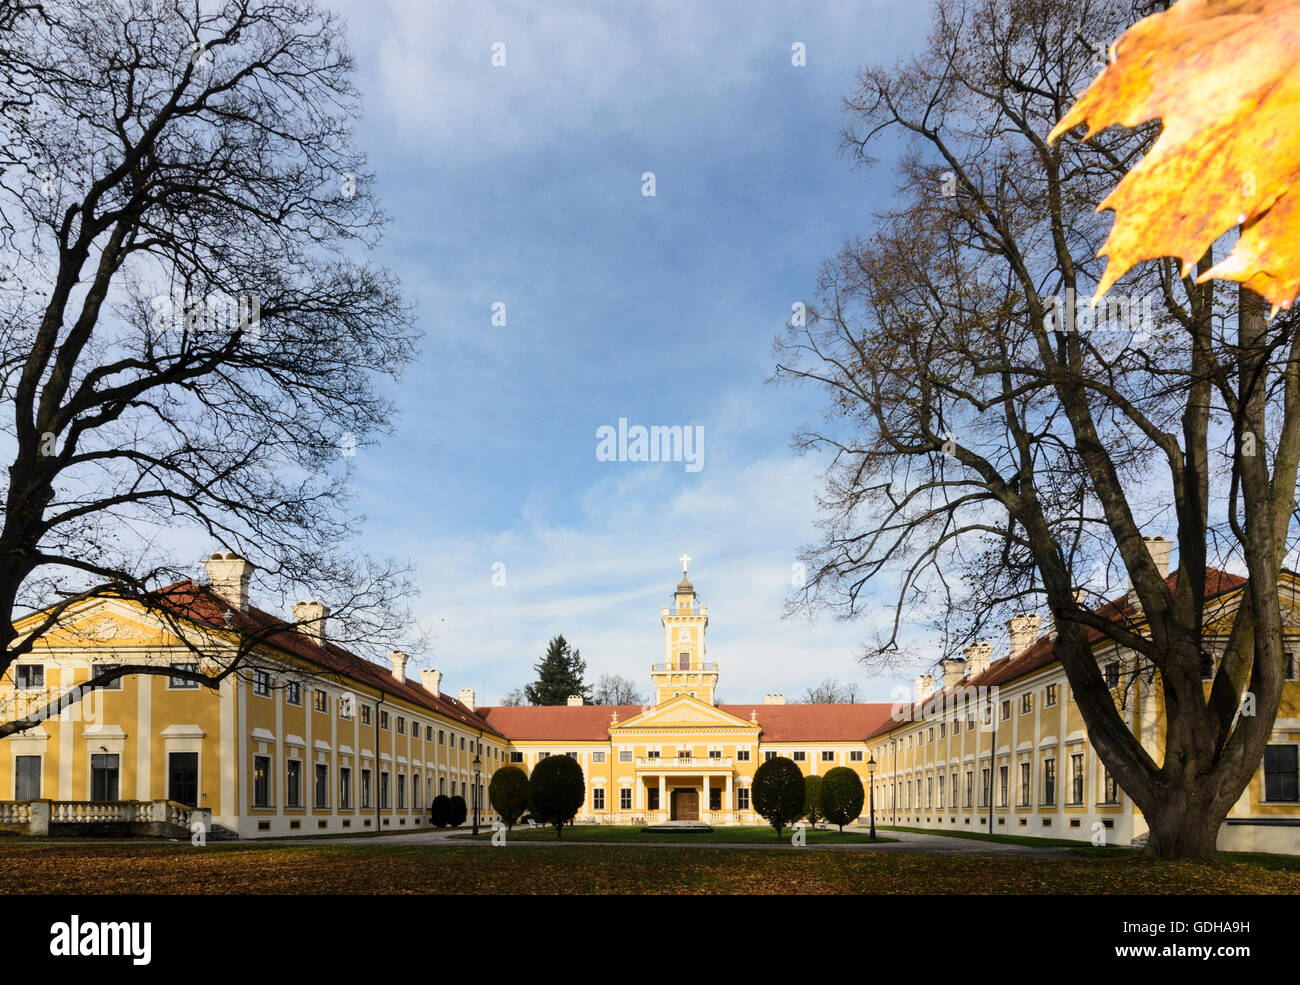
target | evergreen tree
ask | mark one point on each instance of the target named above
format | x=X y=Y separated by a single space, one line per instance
x=559 y=674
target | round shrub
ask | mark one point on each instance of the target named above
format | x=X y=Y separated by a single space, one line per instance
x=508 y=793
x=440 y=811
x=842 y=796
x=812 y=799
x=557 y=791
x=457 y=812
x=778 y=792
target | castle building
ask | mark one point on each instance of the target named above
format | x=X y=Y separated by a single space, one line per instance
x=307 y=738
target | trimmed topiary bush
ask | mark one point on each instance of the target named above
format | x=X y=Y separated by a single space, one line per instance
x=778 y=792
x=440 y=811
x=508 y=793
x=812 y=799
x=842 y=796
x=458 y=812
x=557 y=792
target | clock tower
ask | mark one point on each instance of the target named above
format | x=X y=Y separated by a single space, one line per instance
x=685 y=669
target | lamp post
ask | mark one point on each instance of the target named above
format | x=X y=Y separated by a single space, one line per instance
x=478 y=766
x=871 y=773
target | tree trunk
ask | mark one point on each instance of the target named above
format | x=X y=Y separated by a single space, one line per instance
x=1184 y=830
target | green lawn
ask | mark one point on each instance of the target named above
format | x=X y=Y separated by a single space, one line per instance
x=370 y=867
x=1005 y=839
x=737 y=835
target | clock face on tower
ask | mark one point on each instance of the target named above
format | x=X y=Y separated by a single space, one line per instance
x=685 y=634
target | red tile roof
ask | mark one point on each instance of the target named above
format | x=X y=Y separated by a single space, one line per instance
x=830 y=723
x=779 y=723
x=1042 y=652
x=558 y=722
x=200 y=604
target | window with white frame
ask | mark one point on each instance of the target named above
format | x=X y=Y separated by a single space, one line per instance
x=261 y=683
x=1280 y=772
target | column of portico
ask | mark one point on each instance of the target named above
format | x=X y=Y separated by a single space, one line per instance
x=663 y=794
x=704 y=796
x=728 y=804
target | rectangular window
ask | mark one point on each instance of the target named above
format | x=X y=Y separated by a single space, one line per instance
x=180 y=682
x=855 y=755
x=970 y=722
x=262 y=683
x=345 y=788
x=1110 y=789
x=828 y=756
x=939 y=803
x=103 y=776
x=953 y=790
x=293 y=693
x=929 y=791
x=715 y=799
x=652 y=754
x=970 y=788
x=320 y=700
x=1076 y=778
x=985 y=778
x=383 y=719
x=365 y=789
x=625 y=755
x=800 y=756
x=516 y=756
x=1289 y=665
x=598 y=799
x=27 y=777
x=1026 y=703
x=293 y=783
x=768 y=754
x=28 y=677
x=1024 y=785
x=597 y=757
x=383 y=790
x=1280 y=763
x=943 y=730
x=401 y=725
x=1049 y=782
x=742 y=799
x=625 y=799
x=428 y=733
x=365 y=714
x=652 y=799
x=462 y=743
x=742 y=755
x=345 y=706
x=1006 y=709
x=415 y=792
x=1052 y=691
x=322 y=785
x=1112 y=674
x=261 y=781
x=114 y=685
x=401 y=791
x=441 y=736
x=1002 y=785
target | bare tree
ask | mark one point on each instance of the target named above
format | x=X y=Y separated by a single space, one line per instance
x=188 y=339
x=993 y=449
x=514 y=699
x=830 y=692
x=611 y=689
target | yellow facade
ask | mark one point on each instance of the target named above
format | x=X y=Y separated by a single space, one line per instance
x=307 y=739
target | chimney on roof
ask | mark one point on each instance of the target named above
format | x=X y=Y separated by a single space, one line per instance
x=1160 y=548
x=310 y=619
x=228 y=576
x=467 y=697
x=398 y=659
x=977 y=658
x=1023 y=628
x=774 y=699
x=922 y=687
x=574 y=701
x=432 y=681
x=953 y=670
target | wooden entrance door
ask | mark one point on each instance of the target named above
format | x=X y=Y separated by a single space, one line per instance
x=686 y=805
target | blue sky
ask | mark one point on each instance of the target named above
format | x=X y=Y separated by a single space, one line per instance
x=522 y=185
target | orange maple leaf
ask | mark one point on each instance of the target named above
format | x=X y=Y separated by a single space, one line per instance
x=1221 y=76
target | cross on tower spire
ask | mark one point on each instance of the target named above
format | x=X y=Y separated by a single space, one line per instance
x=685 y=559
